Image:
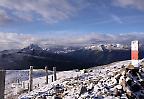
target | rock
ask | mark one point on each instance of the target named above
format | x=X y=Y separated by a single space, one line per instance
x=115 y=84
x=121 y=79
x=123 y=96
x=39 y=97
x=117 y=92
x=123 y=66
x=134 y=71
x=141 y=96
x=57 y=97
x=123 y=72
x=117 y=77
x=129 y=81
x=119 y=87
x=83 y=71
x=142 y=69
x=129 y=94
x=114 y=81
x=142 y=83
x=130 y=67
x=90 y=88
x=83 y=90
x=110 y=74
x=59 y=89
x=123 y=84
x=135 y=87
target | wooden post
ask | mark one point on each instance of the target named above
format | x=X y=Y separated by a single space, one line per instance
x=23 y=85
x=2 y=83
x=28 y=86
x=52 y=78
x=30 y=78
x=54 y=74
x=46 y=70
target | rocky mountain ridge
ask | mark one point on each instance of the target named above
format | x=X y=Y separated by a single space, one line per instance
x=64 y=58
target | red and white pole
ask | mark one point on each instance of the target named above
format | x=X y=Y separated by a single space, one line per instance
x=134 y=53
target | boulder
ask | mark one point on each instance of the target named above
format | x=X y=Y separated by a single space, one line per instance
x=130 y=67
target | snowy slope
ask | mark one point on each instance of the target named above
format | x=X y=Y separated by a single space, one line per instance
x=14 y=76
x=94 y=83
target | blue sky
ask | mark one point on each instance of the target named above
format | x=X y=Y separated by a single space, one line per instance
x=79 y=16
x=62 y=18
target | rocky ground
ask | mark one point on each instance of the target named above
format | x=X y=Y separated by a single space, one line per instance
x=114 y=81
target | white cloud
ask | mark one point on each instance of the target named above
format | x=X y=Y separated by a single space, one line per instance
x=90 y=37
x=17 y=41
x=138 y=4
x=50 y=11
x=4 y=18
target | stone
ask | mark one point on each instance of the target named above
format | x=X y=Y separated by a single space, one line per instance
x=128 y=92
x=119 y=87
x=123 y=96
x=59 y=89
x=57 y=97
x=129 y=81
x=83 y=90
x=117 y=92
x=135 y=87
x=123 y=84
x=130 y=66
x=90 y=70
x=90 y=88
x=123 y=72
x=117 y=77
x=142 y=83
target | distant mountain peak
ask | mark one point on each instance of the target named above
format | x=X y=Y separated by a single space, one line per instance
x=33 y=47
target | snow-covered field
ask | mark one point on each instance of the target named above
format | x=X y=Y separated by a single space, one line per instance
x=19 y=76
x=93 y=83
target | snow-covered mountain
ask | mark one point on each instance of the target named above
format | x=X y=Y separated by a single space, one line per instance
x=32 y=47
x=64 y=57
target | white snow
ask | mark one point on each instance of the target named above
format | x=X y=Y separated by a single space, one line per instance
x=97 y=82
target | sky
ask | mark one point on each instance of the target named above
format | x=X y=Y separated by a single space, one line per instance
x=54 y=21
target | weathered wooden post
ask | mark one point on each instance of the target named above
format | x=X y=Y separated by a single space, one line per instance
x=23 y=85
x=46 y=70
x=30 y=78
x=2 y=83
x=52 y=78
x=28 y=86
x=54 y=74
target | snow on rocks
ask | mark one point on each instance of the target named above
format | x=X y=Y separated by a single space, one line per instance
x=111 y=81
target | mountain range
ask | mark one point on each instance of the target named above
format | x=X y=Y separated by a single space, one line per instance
x=64 y=58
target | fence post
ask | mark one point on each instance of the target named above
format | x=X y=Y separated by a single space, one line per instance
x=23 y=85
x=52 y=78
x=54 y=74
x=46 y=70
x=2 y=83
x=30 y=78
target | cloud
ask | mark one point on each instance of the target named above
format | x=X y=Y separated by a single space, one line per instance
x=4 y=18
x=15 y=40
x=18 y=41
x=93 y=37
x=138 y=4
x=50 y=11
